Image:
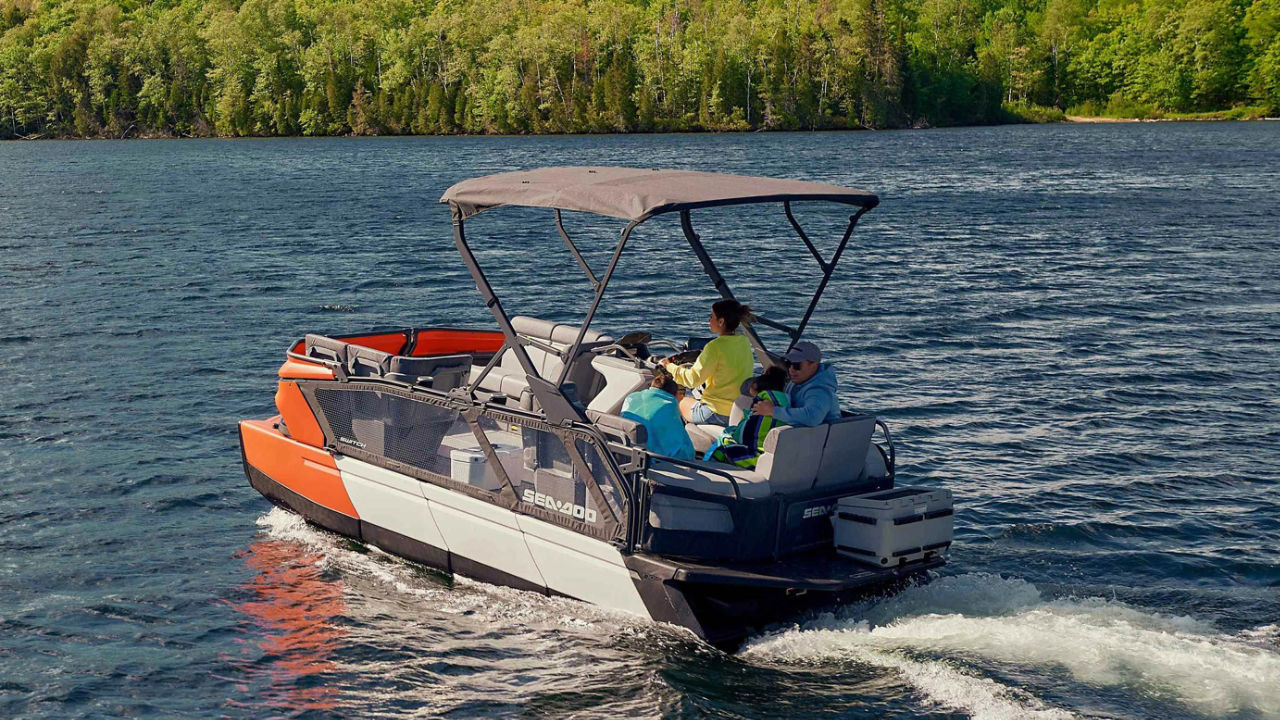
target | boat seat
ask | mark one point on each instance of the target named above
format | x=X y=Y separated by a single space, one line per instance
x=750 y=482
x=326 y=348
x=789 y=463
x=619 y=426
x=703 y=436
x=741 y=407
x=791 y=457
x=446 y=371
x=367 y=362
x=508 y=377
x=844 y=456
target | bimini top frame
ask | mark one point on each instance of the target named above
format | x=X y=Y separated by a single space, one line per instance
x=636 y=195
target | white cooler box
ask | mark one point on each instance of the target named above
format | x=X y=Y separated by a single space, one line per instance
x=470 y=465
x=892 y=527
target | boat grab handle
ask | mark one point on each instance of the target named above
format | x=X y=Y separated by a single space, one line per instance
x=888 y=440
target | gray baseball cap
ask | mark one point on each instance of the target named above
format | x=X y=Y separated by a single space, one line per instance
x=803 y=351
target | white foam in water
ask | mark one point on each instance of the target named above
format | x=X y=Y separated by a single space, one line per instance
x=1098 y=642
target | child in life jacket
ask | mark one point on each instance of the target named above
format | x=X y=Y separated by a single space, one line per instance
x=657 y=408
x=742 y=444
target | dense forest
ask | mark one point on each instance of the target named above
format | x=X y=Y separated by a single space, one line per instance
x=322 y=67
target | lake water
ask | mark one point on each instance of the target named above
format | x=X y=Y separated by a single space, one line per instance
x=1075 y=328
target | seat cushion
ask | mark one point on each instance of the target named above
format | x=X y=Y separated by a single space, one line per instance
x=617 y=425
x=533 y=327
x=326 y=348
x=549 y=365
x=367 y=362
x=845 y=453
x=791 y=457
x=702 y=437
x=447 y=371
x=750 y=483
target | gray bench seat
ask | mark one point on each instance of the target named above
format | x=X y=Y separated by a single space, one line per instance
x=750 y=482
x=795 y=459
x=508 y=376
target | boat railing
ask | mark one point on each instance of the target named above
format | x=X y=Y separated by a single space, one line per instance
x=888 y=441
x=704 y=468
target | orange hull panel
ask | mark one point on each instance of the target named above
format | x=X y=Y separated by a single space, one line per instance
x=308 y=471
x=296 y=369
x=297 y=415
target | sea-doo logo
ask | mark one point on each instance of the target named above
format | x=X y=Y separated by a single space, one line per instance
x=818 y=511
x=349 y=441
x=575 y=511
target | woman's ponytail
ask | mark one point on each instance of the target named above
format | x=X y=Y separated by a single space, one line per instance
x=733 y=313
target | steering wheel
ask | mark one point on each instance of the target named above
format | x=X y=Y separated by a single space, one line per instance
x=637 y=342
x=633 y=346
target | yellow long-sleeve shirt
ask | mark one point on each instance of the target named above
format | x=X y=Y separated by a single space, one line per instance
x=723 y=364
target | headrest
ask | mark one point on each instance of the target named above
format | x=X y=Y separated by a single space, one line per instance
x=533 y=327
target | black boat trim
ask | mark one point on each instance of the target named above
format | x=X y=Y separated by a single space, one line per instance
x=845 y=573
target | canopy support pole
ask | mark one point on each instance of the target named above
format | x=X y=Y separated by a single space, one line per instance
x=493 y=362
x=571 y=355
x=709 y=267
x=828 y=268
x=786 y=207
x=582 y=262
x=777 y=326
x=557 y=408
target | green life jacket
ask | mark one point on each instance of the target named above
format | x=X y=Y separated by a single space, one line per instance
x=742 y=444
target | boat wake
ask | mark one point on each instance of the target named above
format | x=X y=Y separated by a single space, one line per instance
x=977 y=643
x=952 y=638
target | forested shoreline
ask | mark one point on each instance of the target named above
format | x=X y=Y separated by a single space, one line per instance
x=119 y=68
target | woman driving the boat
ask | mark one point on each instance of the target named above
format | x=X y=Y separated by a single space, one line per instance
x=722 y=366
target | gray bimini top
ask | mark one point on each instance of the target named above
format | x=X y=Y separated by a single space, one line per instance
x=635 y=194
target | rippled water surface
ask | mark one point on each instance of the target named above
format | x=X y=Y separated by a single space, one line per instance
x=1075 y=328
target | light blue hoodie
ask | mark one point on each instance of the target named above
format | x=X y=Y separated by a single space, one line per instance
x=813 y=401
x=659 y=412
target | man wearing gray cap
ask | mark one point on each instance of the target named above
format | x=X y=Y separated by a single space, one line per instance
x=812 y=390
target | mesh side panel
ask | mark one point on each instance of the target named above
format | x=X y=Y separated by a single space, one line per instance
x=513 y=452
x=544 y=475
x=604 y=479
x=440 y=441
x=395 y=427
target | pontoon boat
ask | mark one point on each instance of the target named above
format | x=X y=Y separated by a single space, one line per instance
x=501 y=454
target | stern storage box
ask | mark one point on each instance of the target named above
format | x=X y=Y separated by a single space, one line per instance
x=470 y=465
x=892 y=527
